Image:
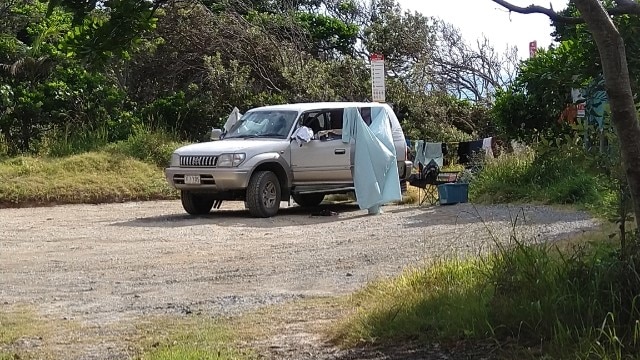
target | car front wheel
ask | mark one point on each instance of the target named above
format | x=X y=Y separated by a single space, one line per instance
x=196 y=204
x=264 y=194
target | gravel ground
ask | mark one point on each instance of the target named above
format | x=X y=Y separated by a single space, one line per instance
x=102 y=264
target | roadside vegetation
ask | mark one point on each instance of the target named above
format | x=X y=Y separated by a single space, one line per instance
x=114 y=79
x=121 y=171
x=194 y=337
x=93 y=100
x=566 y=302
x=554 y=177
x=21 y=323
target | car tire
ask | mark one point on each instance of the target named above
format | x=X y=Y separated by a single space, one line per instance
x=308 y=200
x=196 y=204
x=264 y=194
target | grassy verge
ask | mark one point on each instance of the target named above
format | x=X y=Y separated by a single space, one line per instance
x=187 y=338
x=24 y=335
x=87 y=178
x=122 y=171
x=578 y=302
x=531 y=178
x=22 y=325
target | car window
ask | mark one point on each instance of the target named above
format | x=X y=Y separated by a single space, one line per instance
x=325 y=120
x=336 y=119
x=365 y=112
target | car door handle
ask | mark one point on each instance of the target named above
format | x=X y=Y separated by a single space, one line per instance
x=340 y=151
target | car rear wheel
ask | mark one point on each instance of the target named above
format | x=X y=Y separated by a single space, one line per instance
x=264 y=194
x=308 y=200
x=196 y=204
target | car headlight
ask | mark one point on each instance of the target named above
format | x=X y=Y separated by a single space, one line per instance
x=230 y=160
x=175 y=160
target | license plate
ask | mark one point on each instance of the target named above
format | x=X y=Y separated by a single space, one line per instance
x=192 y=179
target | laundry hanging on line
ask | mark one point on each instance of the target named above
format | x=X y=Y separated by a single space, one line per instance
x=426 y=152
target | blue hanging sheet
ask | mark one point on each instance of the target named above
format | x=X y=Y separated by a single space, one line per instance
x=375 y=174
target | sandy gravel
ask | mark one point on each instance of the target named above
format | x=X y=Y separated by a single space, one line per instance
x=102 y=264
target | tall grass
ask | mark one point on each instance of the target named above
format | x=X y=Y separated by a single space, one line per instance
x=580 y=302
x=72 y=140
x=530 y=177
x=152 y=147
x=82 y=167
x=87 y=178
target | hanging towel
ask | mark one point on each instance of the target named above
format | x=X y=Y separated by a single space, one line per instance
x=466 y=149
x=420 y=159
x=486 y=145
x=433 y=151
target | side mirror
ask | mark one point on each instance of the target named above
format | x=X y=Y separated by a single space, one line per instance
x=303 y=135
x=216 y=134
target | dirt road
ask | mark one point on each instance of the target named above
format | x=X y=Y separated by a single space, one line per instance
x=102 y=264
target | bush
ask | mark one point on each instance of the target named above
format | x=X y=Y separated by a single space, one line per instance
x=572 y=303
x=547 y=177
x=87 y=178
x=151 y=147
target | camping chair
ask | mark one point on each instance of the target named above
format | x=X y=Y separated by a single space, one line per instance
x=426 y=182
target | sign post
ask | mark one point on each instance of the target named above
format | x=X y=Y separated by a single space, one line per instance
x=533 y=48
x=378 y=90
x=581 y=110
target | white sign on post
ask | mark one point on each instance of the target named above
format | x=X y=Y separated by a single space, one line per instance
x=533 y=48
x=378 y=90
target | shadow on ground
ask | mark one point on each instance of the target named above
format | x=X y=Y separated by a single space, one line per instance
x=287 y=216
x=400 y=351
x=468 y=213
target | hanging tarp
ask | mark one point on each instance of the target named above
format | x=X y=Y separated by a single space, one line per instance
x=375 y=174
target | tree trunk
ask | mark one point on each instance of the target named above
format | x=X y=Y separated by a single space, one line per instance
x=618 y=85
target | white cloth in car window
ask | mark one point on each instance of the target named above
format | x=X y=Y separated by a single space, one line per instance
x=375 y=174
x=232 y=119
x=304 y=135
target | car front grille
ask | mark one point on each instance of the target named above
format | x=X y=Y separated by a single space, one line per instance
x=198 y=161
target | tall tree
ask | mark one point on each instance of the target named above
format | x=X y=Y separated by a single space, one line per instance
x=470 y=71
x=611 y=46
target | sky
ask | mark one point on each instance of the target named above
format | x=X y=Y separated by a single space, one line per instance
x=477 y=17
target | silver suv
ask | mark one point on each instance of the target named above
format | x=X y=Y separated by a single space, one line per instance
x=261 y=162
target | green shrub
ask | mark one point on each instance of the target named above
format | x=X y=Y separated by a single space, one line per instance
x=576 y=303
x=552 y=178
x=87 y=178
x=151 y=147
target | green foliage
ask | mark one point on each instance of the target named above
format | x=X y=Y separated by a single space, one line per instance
x=442 y=300
x=329 y=33
x=586 y=51
x=69 y=99
x=88 y=178
x=191 y=339
x=567 y=302
x=99 y=33
x=151 y=147
x=76 y=75
x=438 y=116
x=555 y=176
x=532 y=106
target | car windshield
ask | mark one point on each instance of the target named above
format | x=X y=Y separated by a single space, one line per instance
x=263 y=123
